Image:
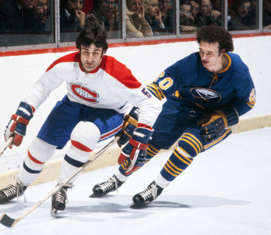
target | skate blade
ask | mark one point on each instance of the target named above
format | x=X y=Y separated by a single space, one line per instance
x=94 y=196
x=54 y=212
x=136 y=206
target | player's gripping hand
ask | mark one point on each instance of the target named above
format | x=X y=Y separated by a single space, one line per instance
x=129 y=125
x=17 y=125
x=213 y=125
x=133 y=155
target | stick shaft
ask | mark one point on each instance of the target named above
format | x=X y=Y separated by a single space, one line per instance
x=60 y=185
x=6 y=145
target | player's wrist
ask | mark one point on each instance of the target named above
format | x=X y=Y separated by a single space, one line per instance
x=231 y=116
x=142 y=133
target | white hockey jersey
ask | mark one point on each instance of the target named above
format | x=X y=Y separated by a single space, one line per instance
x=110 y=86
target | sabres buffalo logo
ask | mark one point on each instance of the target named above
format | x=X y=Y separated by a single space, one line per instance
x=84 y=93
x=205 y=94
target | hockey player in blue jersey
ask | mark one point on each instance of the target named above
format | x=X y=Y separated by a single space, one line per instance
x=206 y=93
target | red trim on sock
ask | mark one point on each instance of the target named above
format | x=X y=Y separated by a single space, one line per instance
x=33 y=159
x=80 y=146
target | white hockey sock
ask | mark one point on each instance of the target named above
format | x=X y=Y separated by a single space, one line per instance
x=161 y=181
x=84 y=138
x=38 y=153
x=120 y=176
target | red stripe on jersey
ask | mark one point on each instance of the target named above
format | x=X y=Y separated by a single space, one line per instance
x=73 y=57
x=111 y=132
x=144 y=126
x=80 y=146
x=34 y=159
x=119 y=71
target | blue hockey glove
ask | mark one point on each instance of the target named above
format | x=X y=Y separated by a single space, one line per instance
x=133 y=155
x=213 y=125
x=129 y=125
x=17 y=125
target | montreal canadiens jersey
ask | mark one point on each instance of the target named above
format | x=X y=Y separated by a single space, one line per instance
x=110 y=86
x=188 y=82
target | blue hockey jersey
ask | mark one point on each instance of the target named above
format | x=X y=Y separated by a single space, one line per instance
x=188 y=82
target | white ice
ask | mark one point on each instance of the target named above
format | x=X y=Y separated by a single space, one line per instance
x=226 y=190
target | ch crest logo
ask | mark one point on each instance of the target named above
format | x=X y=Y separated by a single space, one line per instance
x=205 y=94
x=84 y=93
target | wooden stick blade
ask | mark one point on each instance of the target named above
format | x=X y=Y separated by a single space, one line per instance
x=6 y=220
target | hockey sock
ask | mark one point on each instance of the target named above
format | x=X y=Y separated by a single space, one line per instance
x=38 y=153
x=189 y=146
x=84 y=138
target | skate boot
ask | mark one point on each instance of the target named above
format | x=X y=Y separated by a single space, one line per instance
x=106 y=187
x=12 y=191
x=60 y=199
x=145 y=197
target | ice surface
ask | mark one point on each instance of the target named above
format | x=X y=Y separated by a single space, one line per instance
x=226 y=190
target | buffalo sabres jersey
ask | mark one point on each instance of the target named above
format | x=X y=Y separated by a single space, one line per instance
x=110 y=86
x=188 y=82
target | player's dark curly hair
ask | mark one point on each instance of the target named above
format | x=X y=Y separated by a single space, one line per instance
x=212 y=34
x=95 y=35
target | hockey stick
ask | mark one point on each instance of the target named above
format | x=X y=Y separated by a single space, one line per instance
x=9 y=222
x=7 y=144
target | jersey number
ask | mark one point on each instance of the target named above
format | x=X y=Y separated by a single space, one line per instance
x=166 y=83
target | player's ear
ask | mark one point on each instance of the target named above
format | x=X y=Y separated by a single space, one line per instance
x=222 y=52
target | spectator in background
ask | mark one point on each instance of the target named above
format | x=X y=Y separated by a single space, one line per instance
x=217 y=5
x=136 y=24
x=266 y=14
x=194 y=8
x=186 y=22
x=105 y=13
x=153 y=16
x=166 y=13
x=13 y=17
x=36 y=33
x=238 y=15
x=206 y=15
x=72 y=18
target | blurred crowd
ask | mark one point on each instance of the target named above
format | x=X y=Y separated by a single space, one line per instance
x=24 y=22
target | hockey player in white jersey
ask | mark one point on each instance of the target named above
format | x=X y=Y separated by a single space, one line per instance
x=100 y=90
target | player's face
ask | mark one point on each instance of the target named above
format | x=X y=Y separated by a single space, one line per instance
x=153 y=8
x=26 y=3
x=40 y=8
x=91 y=57
x=74 y=5
x=210 y=57
x=136 y=7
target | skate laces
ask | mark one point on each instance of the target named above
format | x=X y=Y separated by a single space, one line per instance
x=61 y=195
x=150 y=191
x=110 y=183
x=15 y=190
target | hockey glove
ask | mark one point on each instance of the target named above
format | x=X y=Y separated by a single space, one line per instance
x=133 y=155
x=129 y=125
x=213 y=125
x=17 y=125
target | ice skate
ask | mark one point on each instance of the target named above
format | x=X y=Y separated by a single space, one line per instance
x=106 y=187
x=145 y=197
x=60 y=199
x=12 y=191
